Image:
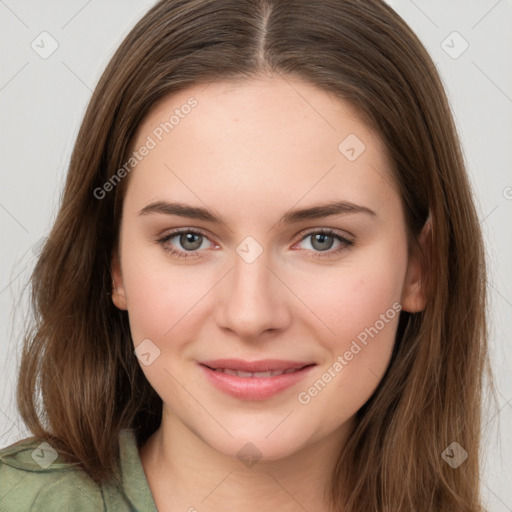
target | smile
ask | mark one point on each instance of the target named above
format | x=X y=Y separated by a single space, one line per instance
x=255 y=380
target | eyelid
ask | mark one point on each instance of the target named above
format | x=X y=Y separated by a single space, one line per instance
x=178 y=231
x=330 y=231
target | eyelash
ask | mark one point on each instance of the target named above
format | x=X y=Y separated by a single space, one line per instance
x=345 y=243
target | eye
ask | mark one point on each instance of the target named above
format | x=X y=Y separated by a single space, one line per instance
x=322 y=241
x=189 y=240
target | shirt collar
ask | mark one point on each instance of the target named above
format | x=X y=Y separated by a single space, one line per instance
x=133 y=478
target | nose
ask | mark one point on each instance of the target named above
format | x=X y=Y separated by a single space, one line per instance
x=252 y=299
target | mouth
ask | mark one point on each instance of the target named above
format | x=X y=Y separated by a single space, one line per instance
x=257 y=375
x=262 y=368
x=254 y=380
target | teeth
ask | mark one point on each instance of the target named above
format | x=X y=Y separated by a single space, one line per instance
x=259 y=375
x=244 y=374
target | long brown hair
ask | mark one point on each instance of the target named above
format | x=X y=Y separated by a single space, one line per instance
x=78 y=356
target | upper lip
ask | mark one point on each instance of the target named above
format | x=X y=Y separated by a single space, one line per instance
x=263 y=365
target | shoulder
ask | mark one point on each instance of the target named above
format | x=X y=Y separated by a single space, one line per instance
x=33 y=477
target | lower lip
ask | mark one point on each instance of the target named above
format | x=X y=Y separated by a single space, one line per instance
x=253 y=388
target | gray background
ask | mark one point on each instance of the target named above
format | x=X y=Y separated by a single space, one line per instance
x=42 y=101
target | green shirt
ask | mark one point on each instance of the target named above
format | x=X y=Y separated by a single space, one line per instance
x=33 y=478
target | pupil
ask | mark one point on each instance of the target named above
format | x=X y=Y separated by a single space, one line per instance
x=190 y=238
x=322 y=238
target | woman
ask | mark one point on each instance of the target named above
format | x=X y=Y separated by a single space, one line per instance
x=265 y=286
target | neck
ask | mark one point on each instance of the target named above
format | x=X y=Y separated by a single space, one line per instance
x=185 y=473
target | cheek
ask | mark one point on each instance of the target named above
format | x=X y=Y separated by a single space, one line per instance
x=163 y=307
x=340 y=301
x=160 y=294
x=162 y=299
x=361 y=305
x=352 y=297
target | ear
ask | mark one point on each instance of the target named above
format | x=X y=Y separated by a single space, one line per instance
x=118 y=291
x=414 y=298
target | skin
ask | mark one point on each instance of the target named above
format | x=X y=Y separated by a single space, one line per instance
x=250 y=152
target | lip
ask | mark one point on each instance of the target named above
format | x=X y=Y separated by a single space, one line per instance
x=254 y=388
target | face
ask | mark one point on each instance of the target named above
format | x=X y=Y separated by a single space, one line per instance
x=264 y=224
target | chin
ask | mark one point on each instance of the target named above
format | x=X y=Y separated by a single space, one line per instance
x=251 y=447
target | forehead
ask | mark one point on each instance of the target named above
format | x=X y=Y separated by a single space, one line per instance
x=265 y=140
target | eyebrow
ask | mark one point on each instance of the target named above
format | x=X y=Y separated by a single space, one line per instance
x=290 y=217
